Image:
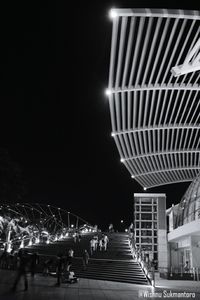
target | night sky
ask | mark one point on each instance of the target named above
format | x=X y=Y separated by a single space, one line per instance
x=55 y=119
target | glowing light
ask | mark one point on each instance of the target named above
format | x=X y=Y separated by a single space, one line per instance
x=30 y=242
x=132 y=176
x=126 y=230
x=22 y=244
x=113 y=14
x=72 y=225
x=122 y=160
x=122 y=221
x=108 y=92
x=112 y=134
x=144 y=188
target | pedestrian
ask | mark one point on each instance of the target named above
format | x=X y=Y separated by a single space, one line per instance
x=100 y=244
x=34 y=262
x=92 y=246
x=70 y=256
x=110 y=228
x=59 y=267
x=105 y=241
x=96 y=239
x=23 y=260
x=79 y=237
x=85 y=259
x=46 y=268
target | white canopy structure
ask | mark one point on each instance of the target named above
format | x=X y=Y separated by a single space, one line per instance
x=154 y=93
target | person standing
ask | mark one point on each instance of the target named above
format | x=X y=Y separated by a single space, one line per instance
x=85 y=259
x=23 y=261
x=105 y=241
x=92 y=246
x=70 y=256
x=34 y=262
x=59 y=267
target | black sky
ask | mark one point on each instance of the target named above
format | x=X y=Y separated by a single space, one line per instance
x=54 y=116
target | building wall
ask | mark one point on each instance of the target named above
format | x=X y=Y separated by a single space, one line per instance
x=156 y=226
x=195 y=251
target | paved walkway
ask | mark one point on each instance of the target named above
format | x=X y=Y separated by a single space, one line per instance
x=41 y=288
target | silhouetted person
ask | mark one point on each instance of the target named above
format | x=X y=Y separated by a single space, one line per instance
x=85 y=259
x=33 y=263
x=23 y=260
x=46 y=267
x=4 y=259
x=59 y=267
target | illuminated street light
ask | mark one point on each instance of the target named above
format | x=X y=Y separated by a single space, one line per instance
x=108 y=92
x=144 y=188
x=122 y=160
x=122 y=221
x=113 y=14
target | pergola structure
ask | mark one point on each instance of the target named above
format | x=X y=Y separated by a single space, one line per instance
x=25 y=224
x=154 y=92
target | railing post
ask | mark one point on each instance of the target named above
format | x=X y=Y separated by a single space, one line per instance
x=171 y=271
x=153 y=275
x=197 y=274
x=194 y=273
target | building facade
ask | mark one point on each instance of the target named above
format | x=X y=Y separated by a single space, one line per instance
x=150 y=228
x=184 y=230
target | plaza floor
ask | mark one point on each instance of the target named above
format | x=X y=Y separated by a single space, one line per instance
x=42 y=288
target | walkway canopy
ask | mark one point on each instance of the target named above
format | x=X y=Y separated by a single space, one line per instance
x=153 y=93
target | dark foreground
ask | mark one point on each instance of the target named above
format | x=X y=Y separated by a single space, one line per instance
x=43 y=288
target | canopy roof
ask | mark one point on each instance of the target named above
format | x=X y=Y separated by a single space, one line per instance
x=154 y=93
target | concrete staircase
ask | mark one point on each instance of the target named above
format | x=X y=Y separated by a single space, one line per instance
x=114 y=264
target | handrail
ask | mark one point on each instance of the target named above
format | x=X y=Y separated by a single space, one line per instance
x=149 y=270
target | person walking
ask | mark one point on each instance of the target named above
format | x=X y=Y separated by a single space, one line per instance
x=85 y=259
x=23 y=261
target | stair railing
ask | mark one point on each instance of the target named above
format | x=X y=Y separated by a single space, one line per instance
x=149 y=270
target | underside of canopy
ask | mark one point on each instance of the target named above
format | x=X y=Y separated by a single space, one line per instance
x=153 y=93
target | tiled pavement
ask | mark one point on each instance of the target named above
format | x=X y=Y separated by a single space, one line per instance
x=41 y=288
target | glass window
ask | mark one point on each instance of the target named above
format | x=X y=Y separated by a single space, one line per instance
x=146 y=240
x=154 y=201
x=155 y=240
x=155 y=248
x=137 y=232
x=137 y=208
x=146 y=225
x=146 y=216
x=155 y=233
x=146 y=201
x=146 y=247
x=146 y=232
x=155 y=225
x=155 y=208
x=155 y=216
x=146 y=208
x=137 y=224
x=137 y=240
x=137 y=216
